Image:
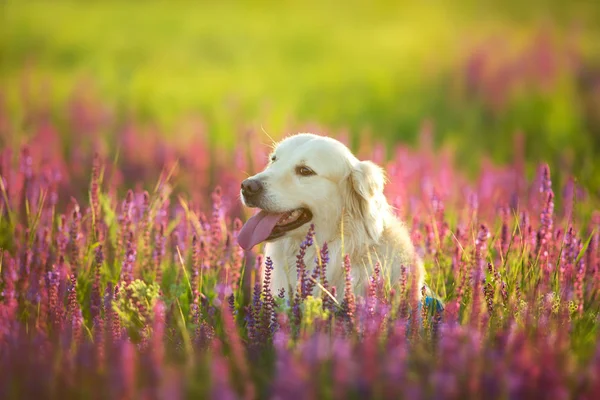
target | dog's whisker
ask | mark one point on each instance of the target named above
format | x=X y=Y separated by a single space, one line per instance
x=269 y=136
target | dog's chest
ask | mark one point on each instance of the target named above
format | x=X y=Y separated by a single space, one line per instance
x=285 y=264
x=285 y=267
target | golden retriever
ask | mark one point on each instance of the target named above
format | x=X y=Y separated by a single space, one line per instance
x=316 y=179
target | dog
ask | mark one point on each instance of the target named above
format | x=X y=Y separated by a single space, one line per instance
x=313 y=179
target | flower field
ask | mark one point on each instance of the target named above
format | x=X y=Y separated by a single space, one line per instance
x=122 y=278
x=126 y=130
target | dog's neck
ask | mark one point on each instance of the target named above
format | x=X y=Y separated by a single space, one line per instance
x=355 y=241
x=286 y=252
x=348 y=235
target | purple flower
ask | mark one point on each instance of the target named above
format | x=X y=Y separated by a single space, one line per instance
x=348 y=303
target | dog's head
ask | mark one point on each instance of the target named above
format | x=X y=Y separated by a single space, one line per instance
x=313 y=178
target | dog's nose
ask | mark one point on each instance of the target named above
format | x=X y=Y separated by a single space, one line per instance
x=251 y=187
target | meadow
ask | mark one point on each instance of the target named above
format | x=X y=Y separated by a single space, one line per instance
x=122 y=152
x=113 y=290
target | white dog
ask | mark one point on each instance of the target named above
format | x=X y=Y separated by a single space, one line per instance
x=316 y=179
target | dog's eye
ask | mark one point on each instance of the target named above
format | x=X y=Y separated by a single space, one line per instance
x=273 y=158
x=304 y=171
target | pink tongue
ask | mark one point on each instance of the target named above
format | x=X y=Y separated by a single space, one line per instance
x=257 y=229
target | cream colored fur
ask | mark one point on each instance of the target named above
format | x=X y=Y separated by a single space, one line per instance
x=345 y=192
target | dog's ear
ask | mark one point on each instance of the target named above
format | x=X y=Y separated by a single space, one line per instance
x=366 y=202
x=367 y=180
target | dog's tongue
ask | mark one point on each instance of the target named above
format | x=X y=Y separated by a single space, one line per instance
x=257 y=229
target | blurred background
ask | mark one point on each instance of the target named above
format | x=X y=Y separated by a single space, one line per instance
x=484 y=79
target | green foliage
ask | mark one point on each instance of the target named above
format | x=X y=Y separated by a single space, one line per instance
x=134 y=306
x=6 y=235
x=312 y=310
